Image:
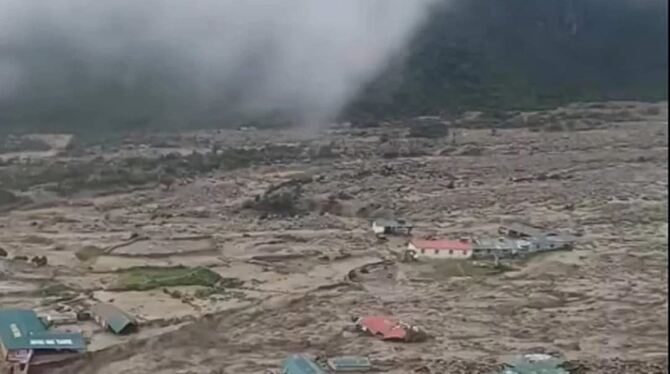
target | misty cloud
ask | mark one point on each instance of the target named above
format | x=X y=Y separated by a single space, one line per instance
x=202 y=60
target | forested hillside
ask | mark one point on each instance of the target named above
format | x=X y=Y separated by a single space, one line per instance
x=489 y=54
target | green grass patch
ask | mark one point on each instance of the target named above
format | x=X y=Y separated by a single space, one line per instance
x=224 y=289
x=149 y=277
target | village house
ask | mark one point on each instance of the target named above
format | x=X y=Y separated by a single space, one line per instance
x=444 y=249
x=550 y=242
x=497 y=248
x=506 y=248
x=113 y=319
x=392 y=226
x=300 y=364
x=25 y=341
x=387 y=328
x=530 y=239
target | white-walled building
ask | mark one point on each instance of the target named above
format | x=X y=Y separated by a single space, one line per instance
x=454 y=249
x=390 y=226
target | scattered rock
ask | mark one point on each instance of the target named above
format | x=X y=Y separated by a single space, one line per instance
x=39 y=261
x=88 y=252
x=3 y=253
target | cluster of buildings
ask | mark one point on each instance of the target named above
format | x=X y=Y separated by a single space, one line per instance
x=515 y=240
x=381 y=327
x=533 y=363
x=394 y=330
x=302 y=364
x=26 y=339
x=391 y=329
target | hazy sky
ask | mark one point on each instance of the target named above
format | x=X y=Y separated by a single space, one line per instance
x=308 y=57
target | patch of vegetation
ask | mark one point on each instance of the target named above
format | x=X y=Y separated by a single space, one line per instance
x=541 y=55
x=283 y=199
x=282 y=203
x=222 y=288
x=147 y=278
x=98 y=174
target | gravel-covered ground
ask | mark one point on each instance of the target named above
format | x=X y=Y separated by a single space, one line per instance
x=603 y=306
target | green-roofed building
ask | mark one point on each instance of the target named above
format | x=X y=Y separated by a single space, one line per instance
x=113 y=318
x=23 y=337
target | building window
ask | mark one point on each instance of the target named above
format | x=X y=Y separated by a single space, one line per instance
x=437 y=251
x=451 y=251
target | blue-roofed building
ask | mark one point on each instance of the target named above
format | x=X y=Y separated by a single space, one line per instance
x=299 y=364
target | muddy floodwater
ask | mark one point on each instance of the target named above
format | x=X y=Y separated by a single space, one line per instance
x=240 y=249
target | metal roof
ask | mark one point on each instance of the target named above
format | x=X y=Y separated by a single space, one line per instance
x=499 y=243
x=538 y=233
x=299 y=364
x=534 y=364
x=349 y=363
x=558 y=237
x=523 y=228
x=387 y=327
x=115 y=319
x=22 y=329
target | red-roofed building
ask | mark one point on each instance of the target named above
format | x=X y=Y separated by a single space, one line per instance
x=384 y=327
x=440 y=248
x=388 y=328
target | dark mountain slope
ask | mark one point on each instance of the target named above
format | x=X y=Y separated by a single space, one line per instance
x=521 y=53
